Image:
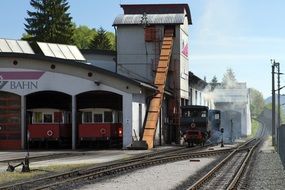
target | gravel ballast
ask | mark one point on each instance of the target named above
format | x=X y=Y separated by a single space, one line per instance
x=266 y=169
x=167 y=176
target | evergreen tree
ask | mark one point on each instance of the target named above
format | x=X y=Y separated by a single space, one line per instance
x=214 y=83
x=50 y=22
x=229 y=79
x=112 y=38
x=101 y=40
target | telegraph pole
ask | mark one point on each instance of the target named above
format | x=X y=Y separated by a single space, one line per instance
x=278 y=104
x=275 y=136
x=273 y=102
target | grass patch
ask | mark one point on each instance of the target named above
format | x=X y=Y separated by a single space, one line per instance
x=9 y=177
x=255 y=125
x=17 y=175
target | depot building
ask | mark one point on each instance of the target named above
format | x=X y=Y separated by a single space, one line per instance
x=55 y=95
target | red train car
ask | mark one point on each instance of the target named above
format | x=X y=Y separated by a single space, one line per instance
x=46 y=125
x=100 y=125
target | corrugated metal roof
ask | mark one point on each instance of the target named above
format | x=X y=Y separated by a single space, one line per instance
x=158 y=9
x=151 y=18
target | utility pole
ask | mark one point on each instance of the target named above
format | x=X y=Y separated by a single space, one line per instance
x=278 y=104
x=275 y=135
x=273 y=102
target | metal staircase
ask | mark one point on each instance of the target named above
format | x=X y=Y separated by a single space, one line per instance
x=160 y=80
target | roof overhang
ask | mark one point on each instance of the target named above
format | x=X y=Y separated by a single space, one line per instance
x=158 y=9
x=135 y=19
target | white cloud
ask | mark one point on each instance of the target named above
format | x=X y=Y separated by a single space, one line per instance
x=219 y=19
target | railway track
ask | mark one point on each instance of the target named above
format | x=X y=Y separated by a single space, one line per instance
x=115 y=168
x=227 y=173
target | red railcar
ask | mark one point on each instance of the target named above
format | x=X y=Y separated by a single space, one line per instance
x=49 y=125
x=99 y=125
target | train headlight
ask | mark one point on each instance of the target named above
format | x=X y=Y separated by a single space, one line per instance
x=120 y=132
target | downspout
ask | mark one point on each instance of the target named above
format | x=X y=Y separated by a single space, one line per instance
x=116 y=49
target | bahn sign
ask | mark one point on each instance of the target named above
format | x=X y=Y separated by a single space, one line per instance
x=20 y=80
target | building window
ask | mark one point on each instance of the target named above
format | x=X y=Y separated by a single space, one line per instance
x=196 y=97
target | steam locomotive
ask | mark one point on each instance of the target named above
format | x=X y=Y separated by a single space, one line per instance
x=197 y=123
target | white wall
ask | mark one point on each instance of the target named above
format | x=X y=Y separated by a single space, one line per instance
x=138 y=103
x=184 y=60
x=135 y=57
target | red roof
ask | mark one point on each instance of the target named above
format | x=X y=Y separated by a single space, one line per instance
x=157 y=9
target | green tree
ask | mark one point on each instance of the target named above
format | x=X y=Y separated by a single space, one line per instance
x=50 y=22
x=101 y=41
x=256 y=102
x=214 y=83
x=83 y=36
x=229 y=79
x=112 y=39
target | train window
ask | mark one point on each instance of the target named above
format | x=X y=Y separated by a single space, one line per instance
x=98 y=118
x=58 y=117
x=217 y=116
x=108 y=117
x=120 y=117
x=67 y=117
x=47 y=118
x=203 y=114
x=37 y=117
x=187 y=113
x=87 y=117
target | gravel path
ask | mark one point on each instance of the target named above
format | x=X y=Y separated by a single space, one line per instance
x=167 y=176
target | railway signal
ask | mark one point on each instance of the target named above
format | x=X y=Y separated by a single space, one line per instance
x=222 y=142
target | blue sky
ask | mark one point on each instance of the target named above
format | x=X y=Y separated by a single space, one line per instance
x=239 y=34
